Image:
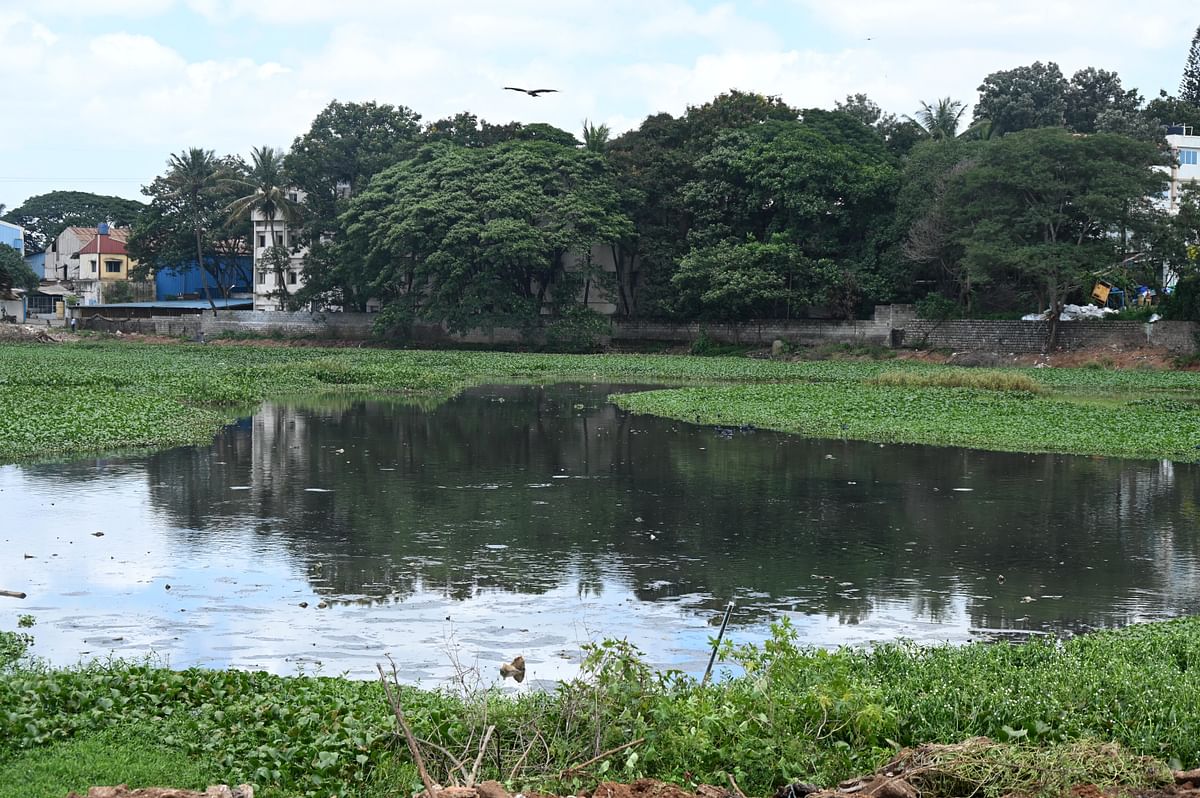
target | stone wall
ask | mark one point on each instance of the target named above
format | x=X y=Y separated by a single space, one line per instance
x=1030 y=336
x=892 y=325
x=802 y=333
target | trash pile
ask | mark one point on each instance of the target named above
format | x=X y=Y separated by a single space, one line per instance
x=1072 y=313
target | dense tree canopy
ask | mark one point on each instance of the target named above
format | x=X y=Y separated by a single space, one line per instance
x=47 y=215
x=483 y=237
x=1052 y=211
x=1189 y=86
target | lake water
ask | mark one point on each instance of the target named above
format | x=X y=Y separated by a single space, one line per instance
x=531 y=520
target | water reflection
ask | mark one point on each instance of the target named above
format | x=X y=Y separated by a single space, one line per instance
x=517 y=517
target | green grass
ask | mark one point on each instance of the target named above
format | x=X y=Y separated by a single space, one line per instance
x=89 y=397
x=117 y=756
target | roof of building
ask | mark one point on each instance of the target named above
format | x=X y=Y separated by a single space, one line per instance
x=54 y=289
x=88 y=233
x=107 y=245
x=184 y=304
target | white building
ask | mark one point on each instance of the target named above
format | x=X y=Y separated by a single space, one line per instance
x=1185 y=169
x=1185 y=147
x=267 y=294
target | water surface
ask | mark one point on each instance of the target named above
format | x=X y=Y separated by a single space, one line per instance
x=531 y=520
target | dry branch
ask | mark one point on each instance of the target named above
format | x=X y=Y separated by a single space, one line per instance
x=595 y=759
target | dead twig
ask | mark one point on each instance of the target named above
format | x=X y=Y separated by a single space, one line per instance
x=734 y=786
x=458 y=765
x=394 y=700
x=12 y=593
x=513 y=774
x=487 y=735
x=595 y=759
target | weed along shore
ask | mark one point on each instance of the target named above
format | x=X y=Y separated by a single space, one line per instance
x=1116 y=709
x=62 y=400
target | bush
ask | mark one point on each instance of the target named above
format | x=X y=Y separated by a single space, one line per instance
x=1184 y=304
x=935 y=307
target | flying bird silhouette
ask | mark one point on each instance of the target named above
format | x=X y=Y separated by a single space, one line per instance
x=530 y=92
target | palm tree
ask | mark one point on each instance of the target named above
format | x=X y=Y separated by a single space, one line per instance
x=267 y=196
x=940 y=120
x=192 y=175
x=595 y=137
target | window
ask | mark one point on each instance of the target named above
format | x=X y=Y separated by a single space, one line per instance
x=292 y=196
x=279 y=239
x=1188 y=157
x=93 y=266
x=112 y=267
x=262 y=240
x=291 y=278
x=262 y=278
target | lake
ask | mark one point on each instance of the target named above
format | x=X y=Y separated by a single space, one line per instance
x=531 y=520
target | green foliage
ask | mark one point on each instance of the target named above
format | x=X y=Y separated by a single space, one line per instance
x=1184 y=303
x=479 y=238
x=936 y=307
x=978 y=379
x=794 y=713
x=13 y=271
x=1189 y=84
x=915 y=411
x=1022 y=98
x=116 y=756
x=47 y=215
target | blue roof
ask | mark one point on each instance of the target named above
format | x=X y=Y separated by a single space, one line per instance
x=183 y=304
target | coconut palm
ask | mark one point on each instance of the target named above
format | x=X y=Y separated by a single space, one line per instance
x=267 y=195
x=595 y=137
x=192 y=175
x=940 y=120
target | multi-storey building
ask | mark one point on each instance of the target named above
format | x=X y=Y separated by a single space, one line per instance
x=272 y=283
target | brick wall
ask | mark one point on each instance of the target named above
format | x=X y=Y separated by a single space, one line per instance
x=1030 y=336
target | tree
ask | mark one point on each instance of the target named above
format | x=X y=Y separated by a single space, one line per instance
x=822 y=187
x=164 y=236
x=467 y=130
x=268 y=188
x=1093 y=93
x=191 y=177
x=47 y=215
x=940 y=120
x=1165 y=111
x=13 y=271
x=1189 y=86
x=1024 y=97
x=346 y=145
x=495 y=236
x=1052 y=210
x=595 y=137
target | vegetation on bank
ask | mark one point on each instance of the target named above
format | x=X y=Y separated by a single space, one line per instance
x=796 y=713
x=105 y=396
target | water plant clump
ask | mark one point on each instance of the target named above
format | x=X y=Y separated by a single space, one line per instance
x=101 y=396
x=794 y=713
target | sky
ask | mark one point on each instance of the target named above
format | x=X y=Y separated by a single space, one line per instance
x=97 y=95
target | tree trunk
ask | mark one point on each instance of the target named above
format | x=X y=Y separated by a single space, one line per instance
x=200 y=268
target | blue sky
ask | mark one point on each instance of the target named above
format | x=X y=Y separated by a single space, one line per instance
x=98 y=94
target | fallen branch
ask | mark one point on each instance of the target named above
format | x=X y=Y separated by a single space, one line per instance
x=413 y=748
x=12 y=593
x=513 y=774
x=595 y=759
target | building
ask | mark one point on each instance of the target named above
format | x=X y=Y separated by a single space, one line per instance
x=268 y=293
x=60 y=265
x=1185 y=146
x=1184 y=170
x=13 y=235
x=99 y=265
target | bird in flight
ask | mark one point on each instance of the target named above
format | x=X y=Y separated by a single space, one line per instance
x=531 y=92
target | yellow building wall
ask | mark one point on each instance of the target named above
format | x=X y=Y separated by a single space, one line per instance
x=127 y=265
